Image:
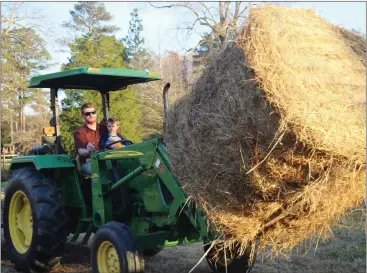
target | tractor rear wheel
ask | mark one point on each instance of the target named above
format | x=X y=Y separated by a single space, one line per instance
x=115 y=249
x=35 y=224
x=228 y=260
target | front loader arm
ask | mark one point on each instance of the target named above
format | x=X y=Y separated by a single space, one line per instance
x=152 y=156
x=181 y=203
x=101 y=185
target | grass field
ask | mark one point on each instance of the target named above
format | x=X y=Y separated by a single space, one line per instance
x=344 y=252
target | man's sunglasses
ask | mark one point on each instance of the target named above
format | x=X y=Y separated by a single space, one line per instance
x=89 y=113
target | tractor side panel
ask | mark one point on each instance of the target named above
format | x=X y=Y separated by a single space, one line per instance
x=71 y=188
x=74 y=199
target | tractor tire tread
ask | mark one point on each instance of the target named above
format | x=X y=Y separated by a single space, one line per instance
x=130 y=238
x=124 y=234
x=50 y=234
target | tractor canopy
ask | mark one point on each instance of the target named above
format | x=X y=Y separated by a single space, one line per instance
x=88 y=78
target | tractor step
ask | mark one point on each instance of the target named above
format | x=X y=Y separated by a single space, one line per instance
x=82 y=223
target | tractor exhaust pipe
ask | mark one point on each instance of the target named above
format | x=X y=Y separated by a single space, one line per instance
x=165 y=105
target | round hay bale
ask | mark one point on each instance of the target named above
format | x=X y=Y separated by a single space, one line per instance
x=271 y=141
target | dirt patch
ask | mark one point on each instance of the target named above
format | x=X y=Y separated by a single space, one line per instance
x=346 y=252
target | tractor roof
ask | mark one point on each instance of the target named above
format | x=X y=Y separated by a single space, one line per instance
x=88 y=78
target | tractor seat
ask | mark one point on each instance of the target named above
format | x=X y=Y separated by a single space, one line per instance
x=42 y=150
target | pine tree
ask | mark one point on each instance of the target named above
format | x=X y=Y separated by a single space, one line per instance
x=89 y=18
x=97 y=48
x=133 y=41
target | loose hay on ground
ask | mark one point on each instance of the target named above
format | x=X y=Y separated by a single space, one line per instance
x=271 y=141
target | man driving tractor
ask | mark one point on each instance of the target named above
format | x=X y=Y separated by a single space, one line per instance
x=88 y=136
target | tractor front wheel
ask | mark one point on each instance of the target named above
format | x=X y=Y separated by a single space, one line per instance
x=227 y=260
x=115 y=249
x=34 y=221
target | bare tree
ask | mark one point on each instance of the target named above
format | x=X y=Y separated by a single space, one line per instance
x=15 y=17
x=171 y=68
x=223 y=19
x=23 y=54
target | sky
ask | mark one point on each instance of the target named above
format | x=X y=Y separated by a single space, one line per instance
x=160 y=25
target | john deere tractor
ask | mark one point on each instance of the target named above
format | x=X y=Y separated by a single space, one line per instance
x=131 y=202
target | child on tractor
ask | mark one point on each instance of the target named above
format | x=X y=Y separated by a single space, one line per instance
x=112 y=135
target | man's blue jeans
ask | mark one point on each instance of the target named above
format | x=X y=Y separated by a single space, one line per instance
x=86 y=167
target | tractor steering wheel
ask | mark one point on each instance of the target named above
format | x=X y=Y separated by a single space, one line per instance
x=123 y=141
x=109 y=145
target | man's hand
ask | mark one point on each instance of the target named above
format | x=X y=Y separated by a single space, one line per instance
x=90 y=147
x=83 y=152
x=86 y=152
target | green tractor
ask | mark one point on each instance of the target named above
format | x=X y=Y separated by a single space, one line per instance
x=133 y=214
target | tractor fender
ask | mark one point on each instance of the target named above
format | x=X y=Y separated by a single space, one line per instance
x=42 y=162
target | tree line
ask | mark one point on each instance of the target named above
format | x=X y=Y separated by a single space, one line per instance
x=93 y=42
